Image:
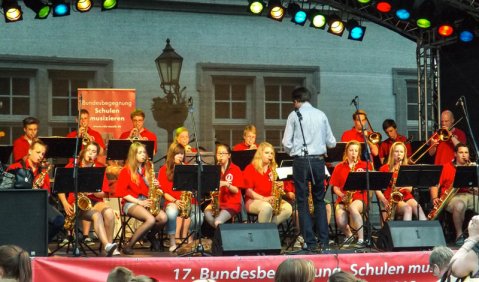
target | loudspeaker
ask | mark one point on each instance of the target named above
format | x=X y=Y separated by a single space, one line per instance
x=410 y=235
x=23 y=215
x=246 y=239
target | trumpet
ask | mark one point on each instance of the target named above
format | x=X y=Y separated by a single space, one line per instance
x=86 y=138
x=135 y=134
x=373 y=137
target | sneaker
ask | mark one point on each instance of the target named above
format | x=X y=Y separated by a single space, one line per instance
x=172 y=248
x=299 y=242
x=65 y=241
x=360 y=244
x=88 y=241
x=348 y=241
x=460 y=240
x=110 y=248
x=116 y=252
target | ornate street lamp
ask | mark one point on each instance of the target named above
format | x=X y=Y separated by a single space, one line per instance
x=169 y=67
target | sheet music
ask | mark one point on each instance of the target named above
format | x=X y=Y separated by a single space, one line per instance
x=284 y=172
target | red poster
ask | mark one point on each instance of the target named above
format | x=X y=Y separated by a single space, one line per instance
x=109 y=109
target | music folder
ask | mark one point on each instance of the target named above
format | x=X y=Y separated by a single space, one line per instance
x=117 y=149
x=377 y=180
x=420 y=176
x=90 y=179
x=61 y=147
x=336 y=154
x=466 y=176
x=185 y=178
x=242 y=158
x=5 y=152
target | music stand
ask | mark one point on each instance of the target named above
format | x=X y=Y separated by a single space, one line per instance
x=420 y=176
x=242 y=158
x=466 y=176
x=336 y=154
x=90 y=180
x=5 y=153
x=117 y=149
x=281 y=157
x=60 y=147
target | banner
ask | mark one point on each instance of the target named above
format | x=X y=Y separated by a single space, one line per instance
x=373 y=267
x=109 y=109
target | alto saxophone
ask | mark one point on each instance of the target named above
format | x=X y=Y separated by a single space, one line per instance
x=395 y=197
x=39 y=181
x=348 y=197
x=215 y=203
x=310 y=199
x=154 y=192
x=277 y=192
x=84 y=204
x=185 y=197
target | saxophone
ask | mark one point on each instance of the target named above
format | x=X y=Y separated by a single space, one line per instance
x=215 y=203
x=310 y=199
x=84 y=204
x=395 y=197
x=185 y=197
x=348 y=197
x=277 y=192
x=154 y=192
x=39 y=181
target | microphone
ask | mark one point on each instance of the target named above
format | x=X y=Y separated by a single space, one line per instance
x=354 y=100
x=460 y=101
x=300 y=116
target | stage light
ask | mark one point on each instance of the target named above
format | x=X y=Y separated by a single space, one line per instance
x=298 y=15
x=445 y=30
x=336 y=25
x=11 y=11
x=403 y=14
x=466 y=35
x=317 y=19
x=41 y=9
x=256 y=7
x=466 y=29
x=424 y=14
x=356 y=31
x=403 y=9
x=60 y=8
x=383 y=6
x=364 y=1
x=109 y=5
x=275 y=10
x=83 y=6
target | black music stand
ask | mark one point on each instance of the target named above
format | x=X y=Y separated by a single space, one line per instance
x=5 y=153
x=466 y=176
x=60 y=147
x=117 y=149
x=185 y=178
x=358 y=181
x=90 y=180
x=242 y=158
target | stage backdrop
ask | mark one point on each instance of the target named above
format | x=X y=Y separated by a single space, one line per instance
x=109 y=109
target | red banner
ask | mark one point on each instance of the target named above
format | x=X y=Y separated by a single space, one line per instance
x=109 y=109
x=399 y=266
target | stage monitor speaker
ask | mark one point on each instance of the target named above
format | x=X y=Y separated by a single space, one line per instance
x=246 y=239
x=23 y=215
x=411 y=235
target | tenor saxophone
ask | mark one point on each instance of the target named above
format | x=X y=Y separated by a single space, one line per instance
x=154 y=192
x=395 y=197
x=215 y=203
x=277 y=192
x=185 y=197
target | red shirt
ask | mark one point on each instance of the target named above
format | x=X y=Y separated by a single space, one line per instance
x=445 y=149
x=145 y=133
x=407 y=195
x=340 y=174
x=105 y=187
x=353 y=134
x=125 y=186
x=94 y=135
x=242 y=147
x=447 y=178
x=260 y=183
x=229 y=200
x=385 y=146
x=36 y=174
x=20 y=148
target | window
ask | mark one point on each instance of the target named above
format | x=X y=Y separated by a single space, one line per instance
x=64 y=86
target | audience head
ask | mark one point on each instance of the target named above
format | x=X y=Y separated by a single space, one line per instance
x=15 y=264
x=120 y=274
x=439 y=260
x=342 y=276
x=292 y=270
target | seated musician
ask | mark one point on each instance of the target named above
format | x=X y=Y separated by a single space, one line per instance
x=390 y=128
x=464 y=198
x=228 y=201
x=182 y=136
x=360 y=120
x=33 y=161
x=139 y=131
x=180 y=208
x=259 y=181
x=249 y=139
x=403 y=201
x=99 y=213
x=133 y=185
x=350 y=204
x=22 y=144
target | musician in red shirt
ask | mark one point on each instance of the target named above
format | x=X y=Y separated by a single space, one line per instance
x=350 y=204
x=100 y=214
x=182 y=136
x=229 y=198
x=444 y=150
x=259 y=180
x=93 y=134
x=355 y=133
x=22 y=144
x=139 y=131
x=390 y=127
x=464 y=198
x=133 y=185
x=408 y=206
x=33 y=162
x=249 y=139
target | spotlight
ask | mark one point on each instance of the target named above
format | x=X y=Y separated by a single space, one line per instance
x=336 y=25
x=41 y=9
x=403 y=9
x=11 y=11
x=83 y=6
x=317 y=19
x=445 y=30
x=383 y=6
x=109 y=5
x=275 y=10
x=424 y=14
x=364 y=1
x=256 y=7
x=356 y=31
x=466 y=35
x=60 y=8
x=298 y=15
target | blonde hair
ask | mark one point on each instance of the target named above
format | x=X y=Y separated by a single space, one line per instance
x=257 y=161
x=292 y=270
x=133 y=164
x=391 y=157
x=249 y=128
x=349 y=144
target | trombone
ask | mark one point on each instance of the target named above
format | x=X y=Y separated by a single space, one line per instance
x=374 y=137
x=441 y=134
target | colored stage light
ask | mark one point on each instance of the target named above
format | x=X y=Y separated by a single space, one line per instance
x=383 y=6
x=356 y=31
x=256 y=7
x=60 y=8
x=336 y=25
x=109 y=5
x=466 y=35
x=12 y=12
x=41 y=9
x=298 y=15
x=445 y=30
x=83 y=6
x=317 y=19
x=276 y=10
x=403 y=14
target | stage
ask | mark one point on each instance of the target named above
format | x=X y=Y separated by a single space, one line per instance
x=371 y=266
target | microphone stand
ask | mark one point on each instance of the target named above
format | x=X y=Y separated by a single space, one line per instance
x=305 y=147
x=199 y=247
x=368 y=162
x=76 y=249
